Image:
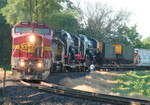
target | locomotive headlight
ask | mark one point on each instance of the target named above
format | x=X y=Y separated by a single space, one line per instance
x=32 y=38
x=22 y=64
x=39 y=65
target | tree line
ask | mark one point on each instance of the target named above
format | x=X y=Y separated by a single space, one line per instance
x=96 y=20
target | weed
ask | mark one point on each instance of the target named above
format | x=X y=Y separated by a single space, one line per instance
x=134 y=82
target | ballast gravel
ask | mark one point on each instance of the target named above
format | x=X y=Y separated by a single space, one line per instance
x=16 y=94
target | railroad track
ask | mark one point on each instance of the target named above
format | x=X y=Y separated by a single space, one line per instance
x=60 y=90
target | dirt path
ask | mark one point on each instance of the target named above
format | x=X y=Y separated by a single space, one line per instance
x=98 y=81
x=8 y=75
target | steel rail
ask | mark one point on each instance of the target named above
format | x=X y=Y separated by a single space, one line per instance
x=60 y=90
x=99 y=95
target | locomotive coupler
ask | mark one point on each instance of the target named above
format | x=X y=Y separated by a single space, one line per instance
x=30 y=67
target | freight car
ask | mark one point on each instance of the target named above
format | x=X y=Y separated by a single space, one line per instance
x=124 y=54
x=31 y=50
x=142 y=58
x=106 y=54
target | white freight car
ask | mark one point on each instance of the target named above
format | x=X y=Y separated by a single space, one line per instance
x=142 y=57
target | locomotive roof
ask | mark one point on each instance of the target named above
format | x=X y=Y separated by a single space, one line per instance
x=36 y=24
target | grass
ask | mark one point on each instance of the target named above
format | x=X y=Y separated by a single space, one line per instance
x=133 y=83
x=7 y=71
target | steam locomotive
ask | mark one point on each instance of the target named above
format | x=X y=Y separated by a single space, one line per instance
x=37 y=51
x=79 y=51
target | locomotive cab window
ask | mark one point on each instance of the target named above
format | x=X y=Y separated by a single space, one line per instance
x=23 y=30
x=45 y=31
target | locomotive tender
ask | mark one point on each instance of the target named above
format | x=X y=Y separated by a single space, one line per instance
x=37 y=52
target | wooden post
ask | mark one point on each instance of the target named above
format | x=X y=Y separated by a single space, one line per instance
x=4 y=82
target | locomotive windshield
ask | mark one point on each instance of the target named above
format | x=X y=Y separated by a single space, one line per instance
x=42 y=31
x=23 y=30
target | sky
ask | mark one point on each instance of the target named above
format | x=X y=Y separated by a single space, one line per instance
x=140 y=12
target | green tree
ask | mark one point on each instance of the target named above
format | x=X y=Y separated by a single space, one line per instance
x=47 y=11
x=51 y=12
x=30 y=10
x=5 y=38
x=128 y=36
x=102 y=21
x=147 y=40
x=3 y=3
x=146 y=43
x=65 y=20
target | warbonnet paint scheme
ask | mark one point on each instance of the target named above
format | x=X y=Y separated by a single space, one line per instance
x=31 y=45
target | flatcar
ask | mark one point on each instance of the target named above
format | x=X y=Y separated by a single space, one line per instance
x=31 y=55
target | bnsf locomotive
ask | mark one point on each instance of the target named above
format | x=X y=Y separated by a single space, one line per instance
x=31 y=56
x=37 y=52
